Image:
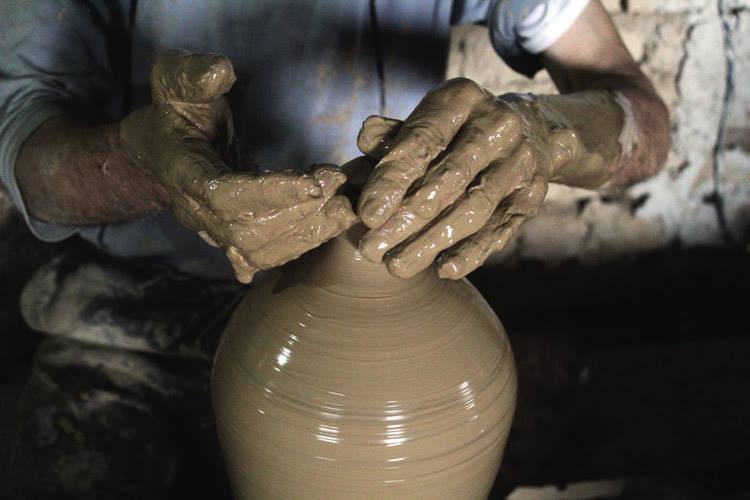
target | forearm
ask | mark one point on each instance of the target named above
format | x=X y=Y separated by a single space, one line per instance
x=625 y=122
x=620 y=120
x=74 y=174
x=644 y=139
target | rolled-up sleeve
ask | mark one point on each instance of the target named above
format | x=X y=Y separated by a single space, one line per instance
x=55 y=59
x=521 y=29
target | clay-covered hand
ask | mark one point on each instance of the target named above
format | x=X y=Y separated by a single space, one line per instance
x=459 y=176
x=185 y=139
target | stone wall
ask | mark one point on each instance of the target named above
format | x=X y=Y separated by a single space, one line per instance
x=697 y=53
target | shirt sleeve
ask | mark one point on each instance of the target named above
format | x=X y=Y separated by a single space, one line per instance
x=521 y=29
x=55 y=59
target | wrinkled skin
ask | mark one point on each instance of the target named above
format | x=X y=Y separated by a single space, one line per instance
x=185 y=138
x=457 y=179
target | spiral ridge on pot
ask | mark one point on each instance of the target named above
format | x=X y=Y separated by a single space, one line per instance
x=336 y=380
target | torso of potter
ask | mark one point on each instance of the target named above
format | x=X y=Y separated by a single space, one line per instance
x=335 y=379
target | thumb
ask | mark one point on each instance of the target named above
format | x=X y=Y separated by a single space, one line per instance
x=182 y=76
x=377 y=135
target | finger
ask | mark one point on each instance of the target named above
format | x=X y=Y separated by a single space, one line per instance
x=285 y=206
x=253 y=232
x=478 y=248
x=489 y=137
x=208 y=239
x=286 y=188
x=471 y=253
x=247 y=210
x=465 y=217
x=376 y=137
x=273 y=194
x=421 y=138
x=335 y=217
x=182 y=76
x=330 y=177
x=243 y=271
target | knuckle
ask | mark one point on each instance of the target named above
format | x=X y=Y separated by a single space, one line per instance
x=475 y=131
x=389 y=174
x=479 y=141
x=466 y=88
x=503 y=132
x=441 y=189
x=525 y=151
x=452 y=177
x=481 y=201
x=426 y=140
x=424 y=204
x=510 y=118
x=488 y=133
x=511 y=123
x=526 y=161
x=566 y=145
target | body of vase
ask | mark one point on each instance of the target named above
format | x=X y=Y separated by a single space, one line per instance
x=336 y=380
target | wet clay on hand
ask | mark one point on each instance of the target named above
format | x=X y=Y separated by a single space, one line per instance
x=337 y=380
x=185 y=139
x=457 y=179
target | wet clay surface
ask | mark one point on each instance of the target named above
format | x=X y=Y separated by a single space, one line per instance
x=335 y=379
x=185 y=138
x=470 y=167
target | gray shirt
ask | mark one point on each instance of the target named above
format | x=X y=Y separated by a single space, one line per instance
x=308 y=75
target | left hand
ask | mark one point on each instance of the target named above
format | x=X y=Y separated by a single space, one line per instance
x=184 y=138
x=455 y=180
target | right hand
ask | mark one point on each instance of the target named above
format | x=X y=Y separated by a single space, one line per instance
x=185 y=139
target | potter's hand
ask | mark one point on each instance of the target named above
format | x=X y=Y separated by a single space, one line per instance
x=460 y=175
x=185 y=138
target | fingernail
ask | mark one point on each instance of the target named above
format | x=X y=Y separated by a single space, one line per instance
x=315 y=192
x=378 y=200
x=331 y=183
x=400 y=268
x=428 y=208
x=372 y=248
x=450 y=269
x=245 y=278
x=371 y=211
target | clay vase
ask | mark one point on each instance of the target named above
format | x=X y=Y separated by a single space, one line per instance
x=336 y=380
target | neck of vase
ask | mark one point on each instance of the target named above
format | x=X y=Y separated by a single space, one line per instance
x=339 y=267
